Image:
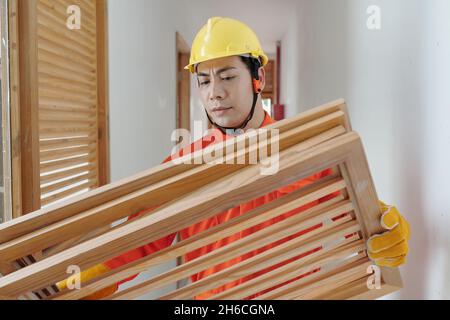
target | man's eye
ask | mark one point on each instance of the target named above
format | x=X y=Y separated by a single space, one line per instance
x=202 y=83
x=228 y=78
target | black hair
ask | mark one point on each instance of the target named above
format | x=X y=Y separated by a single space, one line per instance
x=253 y=65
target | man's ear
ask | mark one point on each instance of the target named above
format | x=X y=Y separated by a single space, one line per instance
x=262 y=77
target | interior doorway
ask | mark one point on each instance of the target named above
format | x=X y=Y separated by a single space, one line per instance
x=183 y=84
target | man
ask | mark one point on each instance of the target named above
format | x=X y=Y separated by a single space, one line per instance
x=229 y=64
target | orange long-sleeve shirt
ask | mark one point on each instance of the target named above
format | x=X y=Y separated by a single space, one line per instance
x=166 y=241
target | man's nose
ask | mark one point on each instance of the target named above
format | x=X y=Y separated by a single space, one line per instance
x=216 y=91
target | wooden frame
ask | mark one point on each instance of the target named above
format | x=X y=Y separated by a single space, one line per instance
x=16 y=158
x=6 y=156
x=29 y=119
x=318 y=139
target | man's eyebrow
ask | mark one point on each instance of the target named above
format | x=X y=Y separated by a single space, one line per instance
x=202 y=74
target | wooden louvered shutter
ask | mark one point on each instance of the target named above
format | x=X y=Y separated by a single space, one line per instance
x=64 y=99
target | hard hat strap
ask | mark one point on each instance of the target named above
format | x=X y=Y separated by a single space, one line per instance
x=226 y=130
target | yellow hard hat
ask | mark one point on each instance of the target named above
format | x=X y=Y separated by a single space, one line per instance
x=224 y=37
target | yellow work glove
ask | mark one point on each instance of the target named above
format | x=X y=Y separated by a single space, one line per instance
x=87 y=275
x=390 y=248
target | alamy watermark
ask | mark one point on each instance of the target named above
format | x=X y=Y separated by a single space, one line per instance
x=73 y=22
x=253 y=146
x=374 y=20
x=74 y=281
x=374 y=280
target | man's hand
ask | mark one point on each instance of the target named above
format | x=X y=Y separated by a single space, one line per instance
x=390 y=248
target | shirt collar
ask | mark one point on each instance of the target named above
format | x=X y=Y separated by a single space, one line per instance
x=267 y=120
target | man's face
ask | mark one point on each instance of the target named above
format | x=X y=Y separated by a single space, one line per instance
x=226 y=90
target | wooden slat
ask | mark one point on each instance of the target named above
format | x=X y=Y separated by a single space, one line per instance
x=350 y=289
x=28 y=56
x=60 y=16
x=50 y=134
x=78 y=108
x=59 y=164
x=87 y=13
x=65 y=142
x=65 y=64
x=66 y=152
x=46 y=81
x=46 y=21
x=83 y=109
x=67 y=173
x=63 y=73
x=70 y=120
x=6 y=268
x=67 y=95
x=53 y=46
x=67 y=182
x=48 y=91
x=65 y=125
x=74 y=241
x=89 y=4
x=66 y=193
x=59 y=11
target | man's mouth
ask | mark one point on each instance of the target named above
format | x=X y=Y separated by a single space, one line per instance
x=220 y=110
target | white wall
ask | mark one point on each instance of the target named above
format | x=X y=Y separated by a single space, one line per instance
x=290 y=63
x=395 y=81
x=142 y=71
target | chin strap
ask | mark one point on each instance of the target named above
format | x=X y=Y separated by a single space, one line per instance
x=256 y=83
x=232 y=130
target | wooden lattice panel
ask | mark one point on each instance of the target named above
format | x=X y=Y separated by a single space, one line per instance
x=329 y=261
